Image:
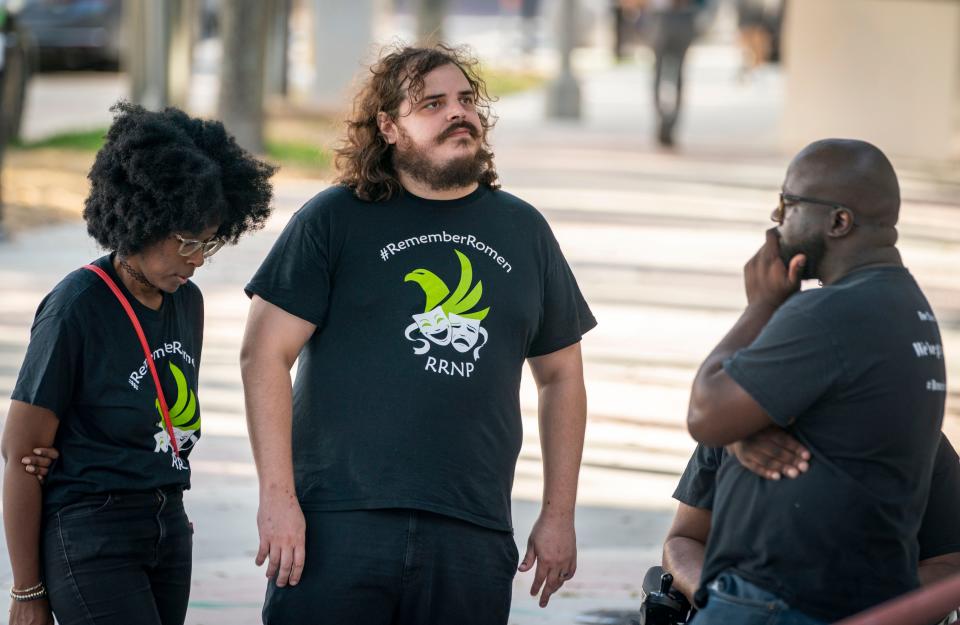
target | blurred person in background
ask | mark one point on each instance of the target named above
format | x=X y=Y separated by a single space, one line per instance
x=627 y=22
x=673 y=29
x=413 y=291
x=106 y=540
x=759 y=23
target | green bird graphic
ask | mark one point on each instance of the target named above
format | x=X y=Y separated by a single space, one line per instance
x=183 y=413
x=462 y=299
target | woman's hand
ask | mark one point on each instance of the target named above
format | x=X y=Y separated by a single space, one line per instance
x=36 y=612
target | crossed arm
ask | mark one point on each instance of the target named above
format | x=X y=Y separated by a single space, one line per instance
x=721 y=412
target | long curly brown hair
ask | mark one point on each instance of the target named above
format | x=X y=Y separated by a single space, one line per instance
x=364 y=158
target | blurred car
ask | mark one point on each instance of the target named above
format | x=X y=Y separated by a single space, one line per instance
x=75 y=34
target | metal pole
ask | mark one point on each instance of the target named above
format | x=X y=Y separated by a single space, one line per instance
x=563 y=94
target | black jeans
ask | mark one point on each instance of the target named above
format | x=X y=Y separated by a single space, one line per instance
x=673 y=34
x=397 y=567
x=123 y=558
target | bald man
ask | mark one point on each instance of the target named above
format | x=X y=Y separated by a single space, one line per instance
x=853 y=370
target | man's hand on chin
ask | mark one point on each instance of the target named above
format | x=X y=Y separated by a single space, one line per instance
x=767 y=280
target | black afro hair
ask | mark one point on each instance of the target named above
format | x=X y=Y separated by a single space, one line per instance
x=159 y=173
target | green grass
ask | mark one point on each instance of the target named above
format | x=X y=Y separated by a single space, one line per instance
x=502 y=83
x=83 y=141
x=291 y=153
x=299 y=154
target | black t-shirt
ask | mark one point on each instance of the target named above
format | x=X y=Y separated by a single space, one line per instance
x=698 y=483
x=407 y=393
x=86 y=364
x=939 y=530
x=855 y=371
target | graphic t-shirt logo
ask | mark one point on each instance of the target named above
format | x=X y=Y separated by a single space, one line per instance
x=183 y=416
x=445 y=320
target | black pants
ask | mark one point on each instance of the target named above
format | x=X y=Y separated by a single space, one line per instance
x=121 y=559
x=673 y=34
x=397 y=567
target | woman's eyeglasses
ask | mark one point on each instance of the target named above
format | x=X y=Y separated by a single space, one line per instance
x=189 y=247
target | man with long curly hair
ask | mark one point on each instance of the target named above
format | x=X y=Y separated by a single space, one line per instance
x=413 y=291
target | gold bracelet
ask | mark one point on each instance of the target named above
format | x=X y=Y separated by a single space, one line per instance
x=36 y=592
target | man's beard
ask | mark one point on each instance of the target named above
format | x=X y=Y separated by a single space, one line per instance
x=814 y=248
x=456 y=173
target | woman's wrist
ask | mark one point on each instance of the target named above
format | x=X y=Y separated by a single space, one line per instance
x=30 y=593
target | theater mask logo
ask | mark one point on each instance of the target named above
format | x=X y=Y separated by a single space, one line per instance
x=184 y=417
x=447 y=329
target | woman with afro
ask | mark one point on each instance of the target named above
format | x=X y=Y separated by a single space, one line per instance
x=107 y=539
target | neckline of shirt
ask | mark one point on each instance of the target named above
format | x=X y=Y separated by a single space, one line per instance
x=459 y=202
x=880 y=269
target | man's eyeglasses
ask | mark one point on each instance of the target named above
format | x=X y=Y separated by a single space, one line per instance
x=189 y=247
x=785 y=198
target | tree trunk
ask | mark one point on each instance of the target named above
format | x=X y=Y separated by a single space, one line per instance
x=3 y=125
x=278 y=42
x=184 y=17
x=430 y=17
x=243 y=33
x=158 y=55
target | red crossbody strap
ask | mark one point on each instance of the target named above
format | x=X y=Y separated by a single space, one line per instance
x=146 y=350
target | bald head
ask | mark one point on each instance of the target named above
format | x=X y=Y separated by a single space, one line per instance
x=853 y=173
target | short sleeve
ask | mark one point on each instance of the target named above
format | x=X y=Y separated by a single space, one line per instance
x=940 y=530
x=698 y=482
x=198 y=316
x=791 y=364
x=565 y=316
x=52 y=364
x=295 y=275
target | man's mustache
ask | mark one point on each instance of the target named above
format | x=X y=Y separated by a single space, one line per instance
x=474 y=132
